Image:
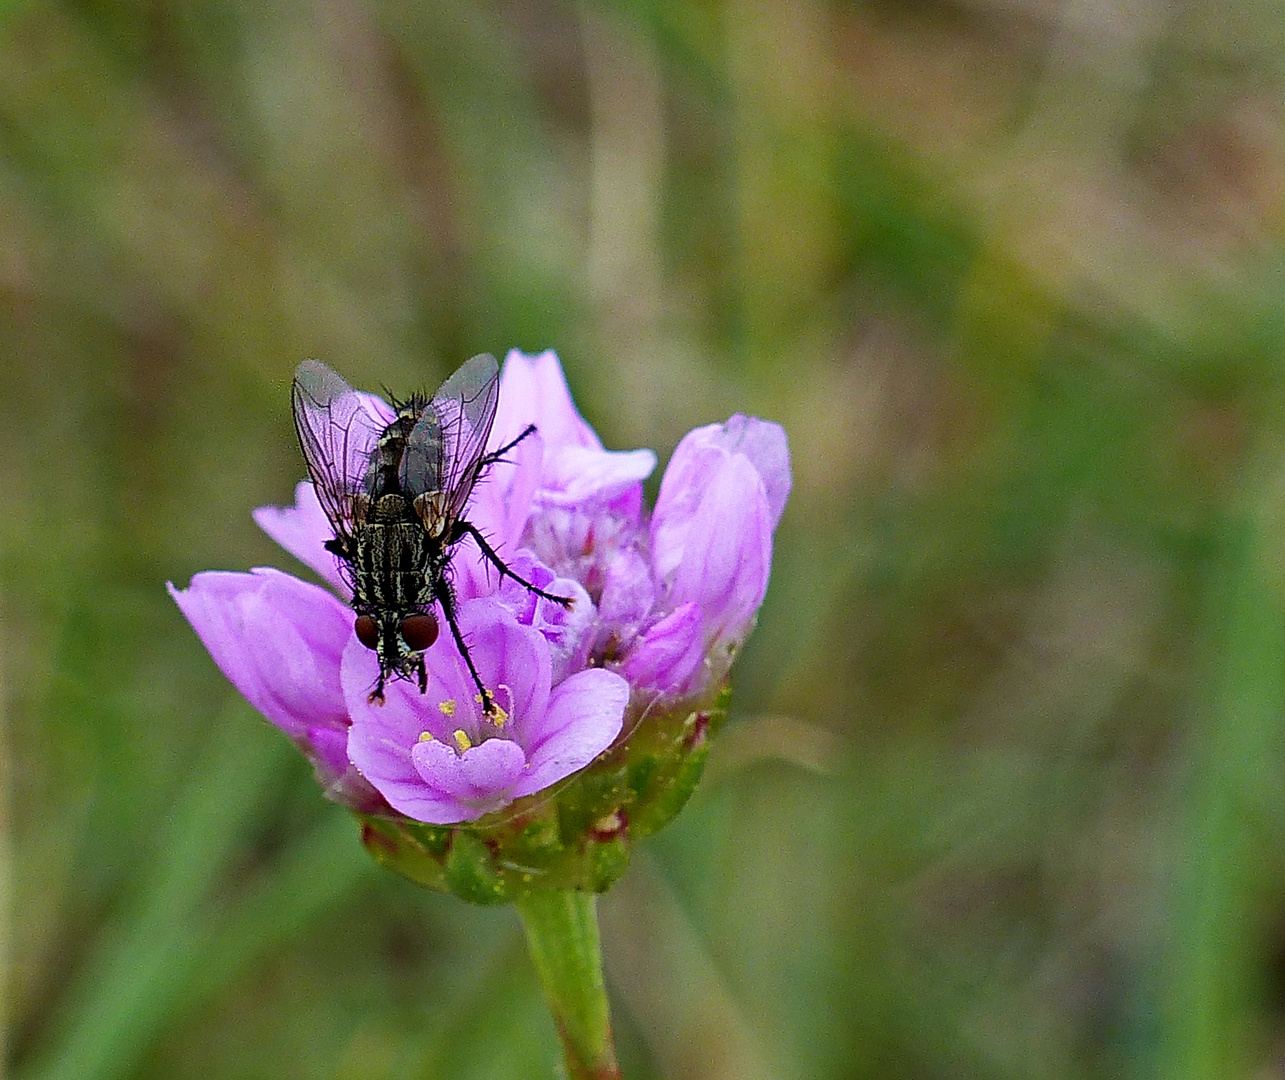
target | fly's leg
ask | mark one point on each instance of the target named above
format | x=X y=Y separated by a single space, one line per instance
x=423 y=675
x=445 y=596
x=376 y=696
x=464 y=528
x=497 y=456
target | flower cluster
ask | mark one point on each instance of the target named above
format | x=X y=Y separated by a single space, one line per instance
x=661 y=602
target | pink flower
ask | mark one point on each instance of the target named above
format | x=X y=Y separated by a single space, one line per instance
x=662 y=602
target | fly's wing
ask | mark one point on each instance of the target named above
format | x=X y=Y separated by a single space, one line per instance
x=448 y=443
x=422 y=464
x=337 y=432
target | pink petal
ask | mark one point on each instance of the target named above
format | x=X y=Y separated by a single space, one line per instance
x=406 y=790
x=727 y=554
x=681 y=490
x=330 y=747
x=670 y=653
x=481 y=778
x=278 y=640
x=575 y=474
x=533 y=390
x=303 y=530
x=767 y=447
x=584 y=717
x=628 y=591
x=696 y=460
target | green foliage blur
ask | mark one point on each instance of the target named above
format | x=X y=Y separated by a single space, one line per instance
x=1003 y=791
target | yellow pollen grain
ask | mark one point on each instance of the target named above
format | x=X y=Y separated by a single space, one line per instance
x=425 y=736
x=498 y=716
x=447 y=707
x=462 y=740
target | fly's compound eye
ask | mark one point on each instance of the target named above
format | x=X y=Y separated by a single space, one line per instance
x=419 y=632
x=367 y=630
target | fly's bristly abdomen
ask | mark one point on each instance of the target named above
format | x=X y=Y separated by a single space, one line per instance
x=394 y=565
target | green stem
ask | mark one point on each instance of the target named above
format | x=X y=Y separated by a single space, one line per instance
x=562 y=935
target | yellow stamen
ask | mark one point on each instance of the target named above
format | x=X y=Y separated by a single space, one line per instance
x=462 y=740
x=447 y=707
x=425 y=736
x=498 y=716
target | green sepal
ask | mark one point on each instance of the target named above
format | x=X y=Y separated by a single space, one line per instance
x=576 y=835
x=471 y=873
x=393 y=844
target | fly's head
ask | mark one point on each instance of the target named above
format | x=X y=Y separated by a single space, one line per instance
x=398 y=639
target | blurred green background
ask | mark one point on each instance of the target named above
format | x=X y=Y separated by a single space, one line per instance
x=1003 y=793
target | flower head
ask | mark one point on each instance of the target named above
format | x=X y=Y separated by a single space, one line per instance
x=661 y=601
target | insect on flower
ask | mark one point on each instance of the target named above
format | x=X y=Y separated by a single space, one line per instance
x=395 y=494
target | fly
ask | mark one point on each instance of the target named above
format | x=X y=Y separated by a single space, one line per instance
x=395 y=496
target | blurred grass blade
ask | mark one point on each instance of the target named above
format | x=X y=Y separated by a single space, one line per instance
x=317 y=875
x=142 y=957
x=670 y=983
x=462 y=1022
x=6 y=872
x=1213 y=964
